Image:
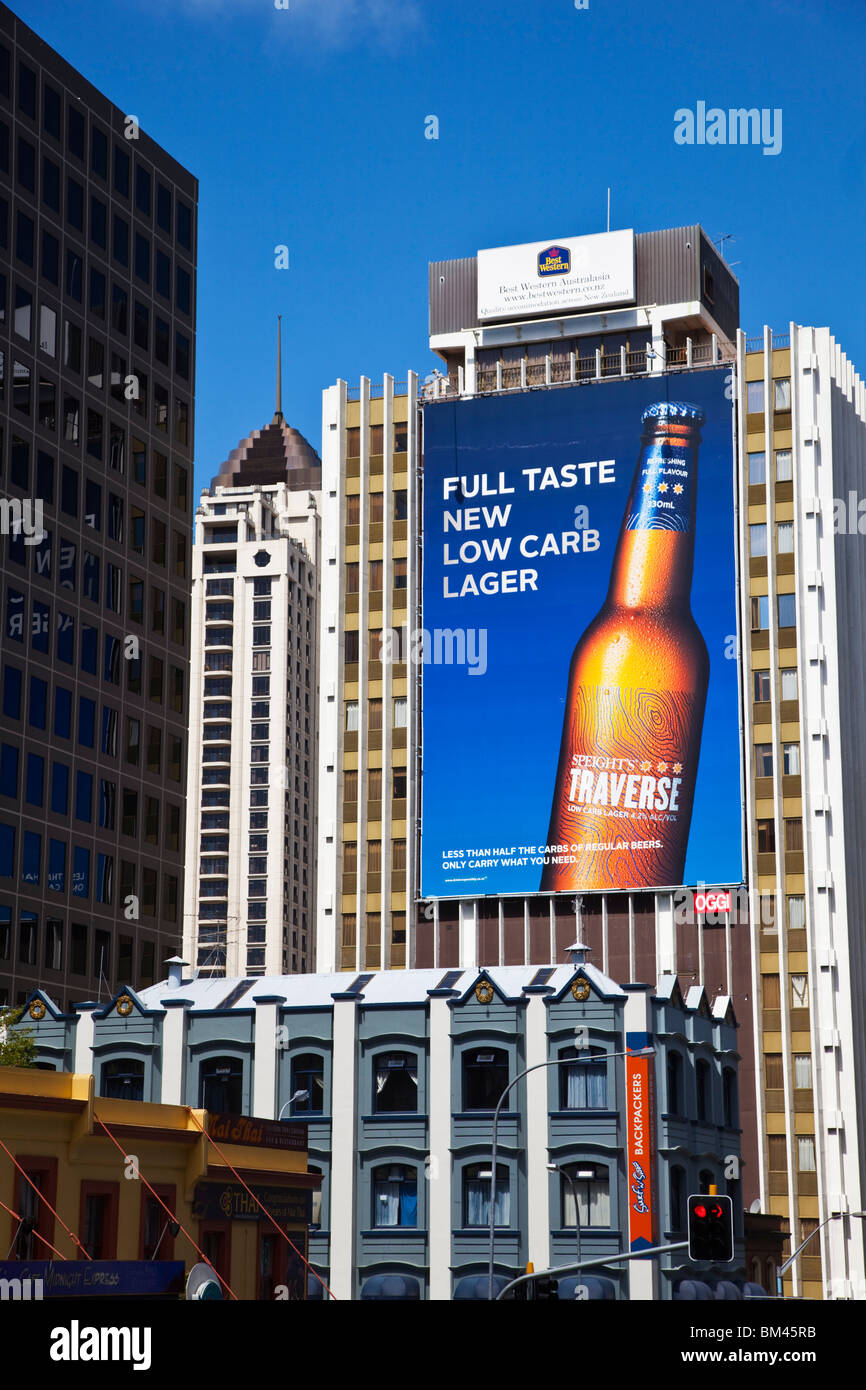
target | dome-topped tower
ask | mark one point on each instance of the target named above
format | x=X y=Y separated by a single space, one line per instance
x=277 y=453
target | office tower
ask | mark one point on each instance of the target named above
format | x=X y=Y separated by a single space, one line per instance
x=251 y=810
x=802 y=442
x=98 y=228
x=367 y=714
x=784 y=945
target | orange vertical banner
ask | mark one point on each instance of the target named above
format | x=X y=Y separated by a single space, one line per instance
x=640 y=1146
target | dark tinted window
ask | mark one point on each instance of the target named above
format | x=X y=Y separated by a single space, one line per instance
x=120 y=240
x=27 y=90
x=184 y=225
x=51 y=184
x=24 y=238
x=26 y=164
x=75 y=204
x=51 y=111
x=163 y=207
x=75 y=132
x=98 y=152
x=142 y=190
x=121 y=172
x=98 y=222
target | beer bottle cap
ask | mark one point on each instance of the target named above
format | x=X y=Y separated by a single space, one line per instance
x=673 y=410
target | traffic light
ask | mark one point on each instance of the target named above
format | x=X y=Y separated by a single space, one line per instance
x=711 y=1228
x=546 y=1290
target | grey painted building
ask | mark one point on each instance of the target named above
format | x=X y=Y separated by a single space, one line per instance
x=396 y=1075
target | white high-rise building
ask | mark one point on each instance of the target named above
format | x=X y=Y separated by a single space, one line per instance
x=250 y=897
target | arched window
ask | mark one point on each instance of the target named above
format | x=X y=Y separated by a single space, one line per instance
x=583 y=1086
x=705 y=1180
x=675 y=1083
x=308 y=1074
x=678 y=1199
x=122 y=1079
x=702 y=1086
x=588 y=1186
x=395 y=1195
x=485 y=1076
x=729 y=1092
x=221 y=1085
x=476 y=1195
x=395 y=1082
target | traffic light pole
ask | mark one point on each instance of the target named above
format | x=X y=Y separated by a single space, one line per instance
x=592 y=1264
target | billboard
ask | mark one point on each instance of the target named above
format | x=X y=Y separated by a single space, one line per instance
x=543 y=277
x=580 y=706
x=640 y=1123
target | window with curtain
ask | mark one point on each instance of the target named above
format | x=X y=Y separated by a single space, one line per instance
x=794 y=834
x=590 y=1188
x=784 y=466
x=583 y=1086
x=395 y=1195
x=476 y=1196
x=796 y=913
x=791 y=759
x=758 y=538
x=774 y=1071
x=757 y=469
x=799 y=992
x=770 y=994
x=400 y=710
x=782 y=394
x=803 y=1071
x=777 y=1153
x=806 y=1153
x=374 y=856
x=351 y=716
x=785 y=537
x=395 y=1077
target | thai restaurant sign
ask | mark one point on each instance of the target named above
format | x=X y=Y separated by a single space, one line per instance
x=640 y=1111
x=544 y=277
x=263 y=1134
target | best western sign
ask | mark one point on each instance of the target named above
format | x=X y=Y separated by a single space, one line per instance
x=543 y=277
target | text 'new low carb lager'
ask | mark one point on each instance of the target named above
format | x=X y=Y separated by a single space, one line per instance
x=637 y=686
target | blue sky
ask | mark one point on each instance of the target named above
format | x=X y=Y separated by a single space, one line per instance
x=305 y=126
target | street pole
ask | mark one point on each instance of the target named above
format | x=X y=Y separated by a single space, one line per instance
x=554 y=1062
x=617 y=1259
x=834 y=1216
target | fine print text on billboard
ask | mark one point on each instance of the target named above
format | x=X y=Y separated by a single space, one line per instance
x=584 y=538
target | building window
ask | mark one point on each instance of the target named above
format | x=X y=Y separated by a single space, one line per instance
x=766 y=837
x=803 y=1071
x=806 y=1153
x=476 y=1196
x=99 y=1219
x=782 y=393
x=485 y=1076
x=677 y=1199
x=758 y=538
x=675 y=1083
x=794 y=835
x=777 y=1153
x=784 y=466
x=308 y=1074
x=761 y=681
x=221 y=1083
x=396 y=1082
x=583 y=1085
x=785 y=537
x=760 y=609
x=799 y=992
x=122 y=1079
x=755 y=397
x=352 y=716
x=395 y=1196
x=763 y=759
x=791 y=759
x=729 y=1097
x=787 y=606
x=702 y=1087
x=589 y=1185
x=789 y=683
x=796 y=913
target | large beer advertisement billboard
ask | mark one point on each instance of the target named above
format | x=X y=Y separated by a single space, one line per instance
x=580 y=707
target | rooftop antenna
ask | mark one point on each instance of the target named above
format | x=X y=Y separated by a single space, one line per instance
x=278 y=415
x=720 y=242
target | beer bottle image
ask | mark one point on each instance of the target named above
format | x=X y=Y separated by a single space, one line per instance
x=637 y=687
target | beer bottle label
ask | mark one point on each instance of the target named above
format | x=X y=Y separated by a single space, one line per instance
x=625 y=796
x=662 y=496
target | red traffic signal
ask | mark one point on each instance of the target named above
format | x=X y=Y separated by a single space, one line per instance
x=711 y=1228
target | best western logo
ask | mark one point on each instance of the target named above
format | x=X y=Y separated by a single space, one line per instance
x=555 y=260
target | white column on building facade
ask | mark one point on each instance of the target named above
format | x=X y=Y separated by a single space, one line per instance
x=265 y=1054
x=439 y=1219
x=468 y=924
x=537 y=1134
x=343 y=1150
x=174 y=1050
x=83 y=1061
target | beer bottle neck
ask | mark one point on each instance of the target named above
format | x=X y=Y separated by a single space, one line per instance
x=655 y=552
